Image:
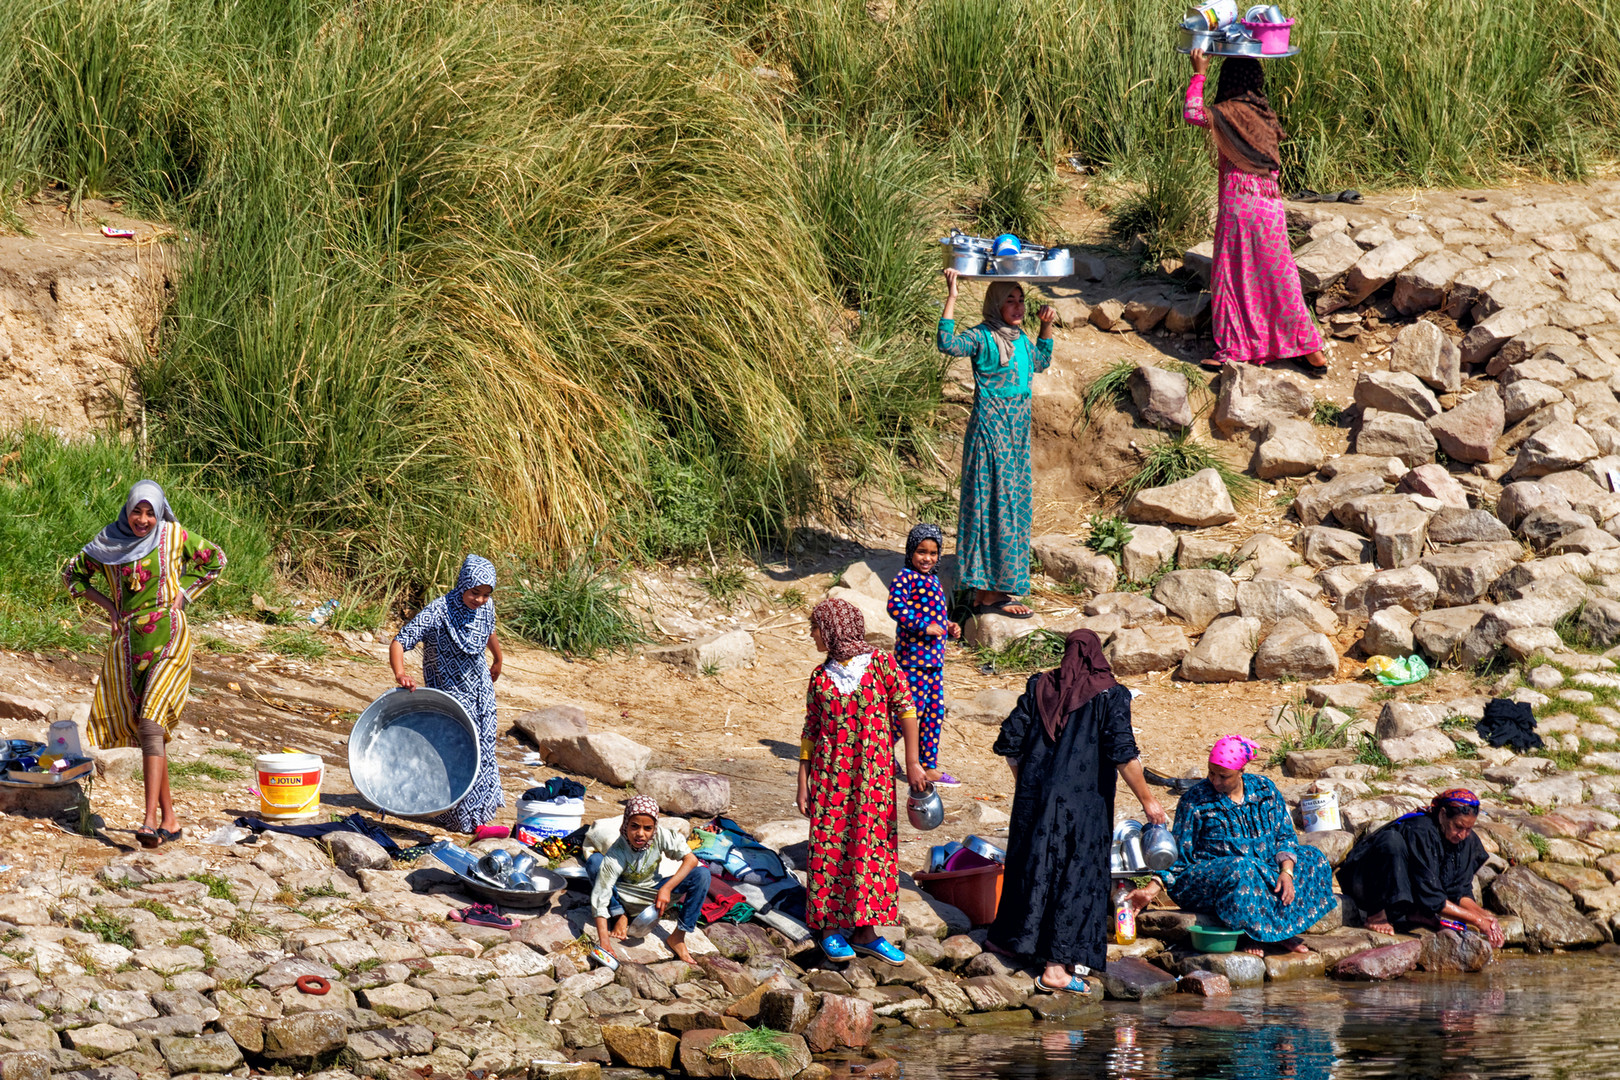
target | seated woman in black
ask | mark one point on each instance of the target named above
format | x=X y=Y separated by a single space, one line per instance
x=1419 y=870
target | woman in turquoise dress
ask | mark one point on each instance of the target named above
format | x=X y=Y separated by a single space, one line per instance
x=993 y=520
x=1241 y=860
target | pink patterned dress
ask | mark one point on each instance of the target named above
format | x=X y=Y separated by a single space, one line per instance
x=1255 y=298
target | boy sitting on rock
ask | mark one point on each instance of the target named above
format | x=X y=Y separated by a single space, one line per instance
x=625 y=876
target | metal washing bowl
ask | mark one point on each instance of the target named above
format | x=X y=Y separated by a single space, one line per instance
x=414 y=753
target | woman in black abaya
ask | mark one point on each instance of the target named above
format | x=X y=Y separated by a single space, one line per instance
x=1065 y=740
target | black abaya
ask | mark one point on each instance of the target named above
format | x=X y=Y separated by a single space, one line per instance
x=1054 y=898
x=1408 y=871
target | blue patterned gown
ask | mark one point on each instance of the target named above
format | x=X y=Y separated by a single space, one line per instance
x=1228 y=863
x=993 y=520
x=453 y=639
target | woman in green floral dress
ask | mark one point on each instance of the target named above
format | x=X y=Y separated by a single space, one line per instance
x=142 y=570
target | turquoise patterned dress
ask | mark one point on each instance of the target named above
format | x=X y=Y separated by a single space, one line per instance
x=993 y=520
x=1228 y=863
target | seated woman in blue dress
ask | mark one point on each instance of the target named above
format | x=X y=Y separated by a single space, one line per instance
x=1240 y=859
x=1419 y=870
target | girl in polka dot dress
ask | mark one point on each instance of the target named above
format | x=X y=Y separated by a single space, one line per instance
x=918 y=607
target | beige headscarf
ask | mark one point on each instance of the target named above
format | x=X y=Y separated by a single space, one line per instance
x=1005 y=333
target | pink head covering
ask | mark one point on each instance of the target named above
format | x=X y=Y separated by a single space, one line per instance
x=637 y=806
x=1233 y=752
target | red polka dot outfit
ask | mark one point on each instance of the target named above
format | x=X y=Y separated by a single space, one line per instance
x=915 y=600
x=854 y=863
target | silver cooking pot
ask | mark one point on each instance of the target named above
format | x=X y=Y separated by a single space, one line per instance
x=1059 y=262
x=1159 y=849
x=925 y=811
x=1022 y=263
x=1204 y=39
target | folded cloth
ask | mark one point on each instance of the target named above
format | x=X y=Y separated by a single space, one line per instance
x=558 y=787
x=722 y=900
x=1509 y=723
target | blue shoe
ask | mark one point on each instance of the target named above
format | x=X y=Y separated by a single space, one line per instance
x=881 y=949
x=836 y=949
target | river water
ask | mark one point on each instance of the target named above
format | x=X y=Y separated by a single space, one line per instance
x=1542 y=1017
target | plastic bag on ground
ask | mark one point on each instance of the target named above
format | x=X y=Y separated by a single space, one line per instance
x=1398 y=672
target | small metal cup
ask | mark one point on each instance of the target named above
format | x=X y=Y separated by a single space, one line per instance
x=523 y=864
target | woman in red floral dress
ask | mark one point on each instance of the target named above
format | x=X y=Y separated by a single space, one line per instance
x=846 y=785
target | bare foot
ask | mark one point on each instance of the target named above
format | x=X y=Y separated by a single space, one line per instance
x=987 y=598
x=1316 y=359
x=1295 y=945
x=1055 y=975
x=1379 y=923
x=621 y=928
x=677 y=945
x=1253 y=950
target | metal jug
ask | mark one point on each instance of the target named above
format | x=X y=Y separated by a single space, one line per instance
x=1159 y=849
x=1128 y=839
x=496 y=865
x=926 y=811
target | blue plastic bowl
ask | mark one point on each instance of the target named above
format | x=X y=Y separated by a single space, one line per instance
x=1007 y=244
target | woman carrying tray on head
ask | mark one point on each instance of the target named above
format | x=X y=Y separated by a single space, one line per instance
x=143 y=569
x=1255 y=298
x=993 y=519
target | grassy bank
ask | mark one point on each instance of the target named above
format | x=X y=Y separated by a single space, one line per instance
x=552 y=278
x=55 y=497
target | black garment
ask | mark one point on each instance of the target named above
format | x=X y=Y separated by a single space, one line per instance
x=1408 y=871
x=1509 y=723
x=1054 y=898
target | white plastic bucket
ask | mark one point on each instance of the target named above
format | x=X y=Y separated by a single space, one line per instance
x=289 y=785
x=537 y=821
x=1320 y=812
x=62 y=740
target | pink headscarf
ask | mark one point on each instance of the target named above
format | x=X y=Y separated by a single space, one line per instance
x=1233 y=752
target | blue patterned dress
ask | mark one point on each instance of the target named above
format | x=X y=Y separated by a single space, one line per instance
x=1228 y=863
x=993 y=520
x=915 y=600
x=453 y=639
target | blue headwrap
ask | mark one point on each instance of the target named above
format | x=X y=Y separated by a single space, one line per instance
x=470 y=629
x=918 y=534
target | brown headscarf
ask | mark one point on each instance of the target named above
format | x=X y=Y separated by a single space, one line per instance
x=1246 y=129
x=1083 y=675
x=842 y=628
x=1005 y=333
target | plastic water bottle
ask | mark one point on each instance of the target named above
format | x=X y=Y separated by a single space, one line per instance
x=1124 y=915
x=322 y=613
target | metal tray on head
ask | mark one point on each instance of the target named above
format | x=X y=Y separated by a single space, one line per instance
x=1224 y=50
x=464 y=864
x=1040 y=279
x=414 y=753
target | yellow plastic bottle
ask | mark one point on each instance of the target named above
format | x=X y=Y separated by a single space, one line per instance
x=1124 y=915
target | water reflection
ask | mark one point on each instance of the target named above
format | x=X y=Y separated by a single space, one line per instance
x=1545 y=1018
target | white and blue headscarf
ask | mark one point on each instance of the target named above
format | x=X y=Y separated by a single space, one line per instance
x=468 y=629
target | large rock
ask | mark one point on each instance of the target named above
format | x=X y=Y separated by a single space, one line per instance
x=1389 y=632
x=1371 y=272
x=602 y=755
x=1290 y=448
x=1271 y=600
x=1250 y=395
x=1324 y=546
x=1384 y=434
x=212 y=1053
x=1485 y=338
x=1380 y=964
x=1196 y=597
x=686 y=794
x=352 y=851
x=1423 y=286
x=1437 y=633
x=1065 y=559
x=1430 y=745
x=1398 y=392
x=640 y=1047
x=1151 y=648
x=1201 y=500
x=1398 y=535
x=1132 y=979
x=842 y=1022
x=1224 y=653
x=306 y=1035
x=1324 y=261
x=1160 y=397
x=996 y=632
x=1465 y=576
x=1315 y=502
x=1547 y=911
x=1412 y=587
x=1469 y=432
x=1450 y=951
x=1436 y=483
x=1556 y=447
x=1518 y=501
x=544 y=726
x=1150 y=549
x=1453 y=526
x=718 y=652
x=1294 y=649
x=1526 y=396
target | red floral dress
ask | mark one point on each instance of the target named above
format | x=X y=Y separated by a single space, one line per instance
x=854 y=862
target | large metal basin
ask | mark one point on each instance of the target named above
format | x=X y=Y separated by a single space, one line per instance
x=414 y=753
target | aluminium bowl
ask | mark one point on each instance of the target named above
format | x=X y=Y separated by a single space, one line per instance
x=414 y=753
x=1017 y=264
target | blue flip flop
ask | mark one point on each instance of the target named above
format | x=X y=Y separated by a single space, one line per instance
x=836 y=949
x=1077 y=985
x=881 y=949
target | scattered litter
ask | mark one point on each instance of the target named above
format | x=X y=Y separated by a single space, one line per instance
x=322 y=613
x=227 y=836
x=1402 y=672
x=118 y=234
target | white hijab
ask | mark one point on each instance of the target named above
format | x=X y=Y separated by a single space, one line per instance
x=117 y=544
